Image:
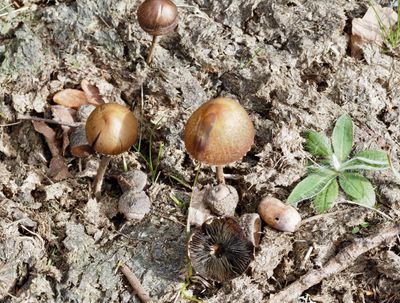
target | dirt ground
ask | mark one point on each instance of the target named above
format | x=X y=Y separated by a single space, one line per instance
x=288 y=64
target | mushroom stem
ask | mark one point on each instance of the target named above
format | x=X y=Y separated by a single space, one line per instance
x=98 y=181
x=151 y=51
x=220 y=174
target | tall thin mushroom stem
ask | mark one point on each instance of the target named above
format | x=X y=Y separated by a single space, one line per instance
x=220 y=174
x=98 y=181
x=151 y=51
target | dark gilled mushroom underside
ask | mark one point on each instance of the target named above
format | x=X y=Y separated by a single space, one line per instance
x=219 y=250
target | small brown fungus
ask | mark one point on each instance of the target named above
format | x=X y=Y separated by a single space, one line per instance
x=219 y=249
x=157 y=17
x=219 y=132
x=279 y=215
x=111 y=129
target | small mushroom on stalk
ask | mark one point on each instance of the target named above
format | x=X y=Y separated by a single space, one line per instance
x=219 y=249
x=219 y=132
x=111 y=129
x=279 y=215
x=157 y=17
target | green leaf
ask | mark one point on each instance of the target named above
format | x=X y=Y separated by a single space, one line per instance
x=364 y=224
x=317 y=169
x=325 y=199
x=311 y=186
x=342 y=137
x=355 y=230
x=373 y=157
x=318 y=144
x=358 y=188
x=368 y=160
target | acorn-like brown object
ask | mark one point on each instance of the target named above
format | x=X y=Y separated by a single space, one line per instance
x=219 y=132
x=135 y=180
x=219 y=249
x=222 y=200
x=157 y=17
x=111 y=129
x=134 y=205
x=279 y=215
x=251 y=224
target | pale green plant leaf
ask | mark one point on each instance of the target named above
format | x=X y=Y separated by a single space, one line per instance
x=342 y=137
x=358 y=188
x=311 y=186
x=318 y=144
x=367 y=160
x=374 y=157
x=325 y=199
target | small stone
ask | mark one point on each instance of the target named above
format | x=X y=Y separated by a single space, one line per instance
x=84 y=112
x=279 y=215
x=134 y=205
x=135 y=180
x=251 y=225
x=222 y=200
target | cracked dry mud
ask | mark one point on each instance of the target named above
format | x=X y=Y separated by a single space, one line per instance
x=288 y=64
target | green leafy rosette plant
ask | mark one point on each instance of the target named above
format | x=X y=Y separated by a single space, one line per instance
x=337 y=169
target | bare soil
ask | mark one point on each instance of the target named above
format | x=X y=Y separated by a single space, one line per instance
x=288 y=64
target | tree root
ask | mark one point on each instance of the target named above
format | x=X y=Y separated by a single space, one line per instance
x=341 y=261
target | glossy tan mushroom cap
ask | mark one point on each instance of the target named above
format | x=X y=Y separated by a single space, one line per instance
x=157 y=17
x=111 y=129
x=219 y=132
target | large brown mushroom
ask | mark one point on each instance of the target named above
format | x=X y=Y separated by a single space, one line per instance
x=111 y=129
x=157 y=17
x=219 y=132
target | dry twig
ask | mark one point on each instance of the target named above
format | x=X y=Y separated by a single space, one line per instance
x=135 y=283
x=335 y=265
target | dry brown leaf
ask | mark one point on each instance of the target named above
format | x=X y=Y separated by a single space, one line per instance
x=64 y=115
x=92 y=92
x=368 y=30
x=72 y=98
x=58 y=168
x=50 y=136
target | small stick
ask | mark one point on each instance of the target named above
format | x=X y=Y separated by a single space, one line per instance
x=151 y=51
x=30 y=118
x=10 y=124
x=340 y=262
x=135 y=283
x=220 y=174
x=98 y=181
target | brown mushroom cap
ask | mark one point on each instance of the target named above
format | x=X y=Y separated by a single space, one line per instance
x=219 y=132
x=157 y=17
x=219 y=249
x=111 y=129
